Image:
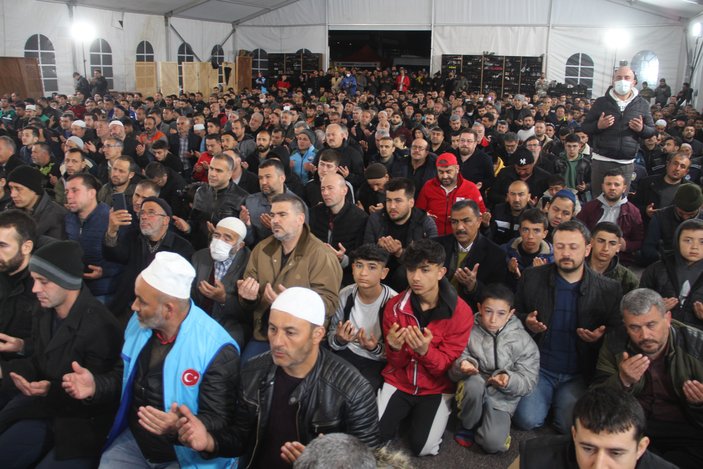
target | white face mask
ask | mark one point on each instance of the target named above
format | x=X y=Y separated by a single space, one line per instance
x=622 y=87
x=220 y=250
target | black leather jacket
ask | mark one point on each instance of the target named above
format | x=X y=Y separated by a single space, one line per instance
x=333 y=397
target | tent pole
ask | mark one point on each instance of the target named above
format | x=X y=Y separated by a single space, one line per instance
x=167 y=32
x=549 y=37
x=74 y=53
x=432 y=20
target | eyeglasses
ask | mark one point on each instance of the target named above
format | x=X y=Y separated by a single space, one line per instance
x=151 y=214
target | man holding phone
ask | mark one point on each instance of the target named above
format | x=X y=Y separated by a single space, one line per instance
x=86 y=223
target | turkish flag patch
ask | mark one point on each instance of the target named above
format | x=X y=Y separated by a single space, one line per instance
x=190 y=377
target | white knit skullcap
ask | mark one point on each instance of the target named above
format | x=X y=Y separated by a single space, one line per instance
x=302 y=303
x=234 y=224
x=170 y=274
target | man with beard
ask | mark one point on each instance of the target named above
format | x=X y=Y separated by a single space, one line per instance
x=255 y=212
x=505 y=216
x=121 y=175
x=476 y=166
x=338 y=222
x=245 y=142
x=440 y=193
x=612 y=205
x=438 y=143
x=135 y=249
x=658 y=191
x=567 y=308
x=291 y=256
x=18 y=305
x=397 y=226
x=646 y=359
x=264 y=150
x=173 y=353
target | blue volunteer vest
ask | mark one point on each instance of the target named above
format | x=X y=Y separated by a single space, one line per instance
x=200 y=338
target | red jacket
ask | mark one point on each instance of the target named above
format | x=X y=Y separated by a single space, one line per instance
x=450 y=324
x=438 y=204
x=402 y=83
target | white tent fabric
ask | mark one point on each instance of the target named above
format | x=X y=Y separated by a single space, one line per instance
x=555 y=28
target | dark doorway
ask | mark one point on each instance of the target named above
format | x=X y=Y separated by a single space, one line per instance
x=369 y=49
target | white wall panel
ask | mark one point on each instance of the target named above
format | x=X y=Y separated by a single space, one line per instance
x=492 y=12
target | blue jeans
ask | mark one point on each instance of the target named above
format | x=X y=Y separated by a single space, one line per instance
x=254 y=347
x=124 y=452
x=559 y=391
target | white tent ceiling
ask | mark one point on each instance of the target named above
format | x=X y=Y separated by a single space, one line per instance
x=240 y=11
x=224 y=11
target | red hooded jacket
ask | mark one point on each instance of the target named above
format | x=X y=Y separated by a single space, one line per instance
x=450 y=324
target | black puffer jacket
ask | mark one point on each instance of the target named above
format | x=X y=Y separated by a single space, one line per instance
x=333 y=397
x=598 y=304
x=618 y=141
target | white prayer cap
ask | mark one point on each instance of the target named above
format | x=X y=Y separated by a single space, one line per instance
x=198 y=127
x=77 y=140
x=661 y=123
x=302 y=303
x=116 y=122
x=30 y=107
x=170 y=274
x=79 y=123
x=234 y=224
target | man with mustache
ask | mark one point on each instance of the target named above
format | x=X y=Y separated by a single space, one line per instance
x=438 y=194
x=655 y=359
x=472 y=260
x=567 y=308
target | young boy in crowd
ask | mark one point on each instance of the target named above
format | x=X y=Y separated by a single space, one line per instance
x=425 y=328
x=530 y=248
x=355 y=330
x=499 y=365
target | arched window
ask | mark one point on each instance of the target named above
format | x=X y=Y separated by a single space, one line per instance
x=303 y=51
x=579 y=71
x=41 y=48
x=145 y=52
x=101 y=58
x=218 y=56
x=645 y=64
x=185 y=54
x=260 y=62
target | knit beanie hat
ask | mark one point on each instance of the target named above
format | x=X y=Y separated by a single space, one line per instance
x=60 y=262
x=311 y=135
x=688 y=197
x=29 y=177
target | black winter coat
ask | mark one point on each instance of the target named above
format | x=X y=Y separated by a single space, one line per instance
x=618 y=141
x=598 y=304
x=89 y=335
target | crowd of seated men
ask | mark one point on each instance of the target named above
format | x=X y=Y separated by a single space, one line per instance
x=192 y=280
